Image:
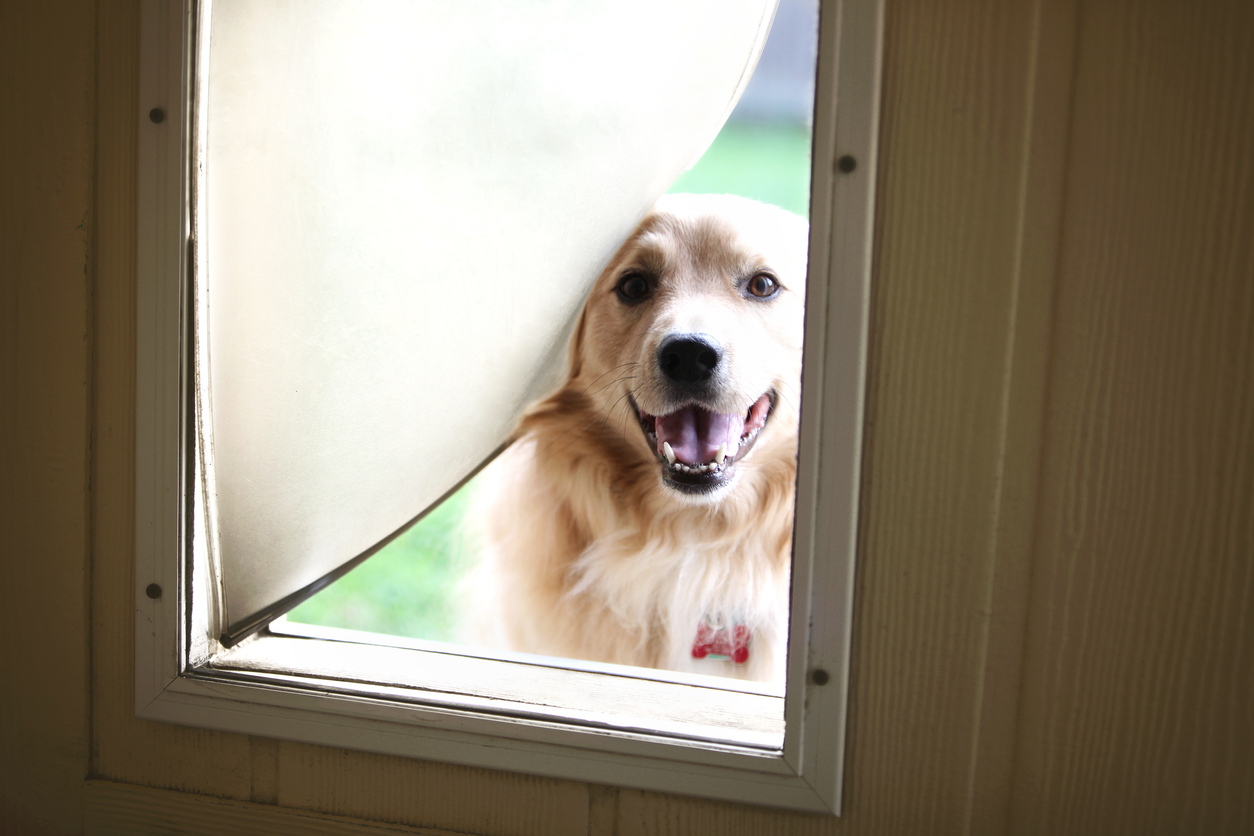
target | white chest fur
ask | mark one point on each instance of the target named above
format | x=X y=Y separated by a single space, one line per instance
x=661 y=588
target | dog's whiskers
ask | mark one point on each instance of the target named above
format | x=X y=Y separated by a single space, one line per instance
x=588 y=390
x=621 y=400
x=622 y=395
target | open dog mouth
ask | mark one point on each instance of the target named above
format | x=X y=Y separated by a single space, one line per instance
x=697 y=448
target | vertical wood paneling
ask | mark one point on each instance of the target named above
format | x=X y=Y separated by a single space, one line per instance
x=655 y=814
x=1027 y=368
x=602 y=809
x=263 y=757
x=425 y=794
x=127 y=810
x=47 y=108
x=1138 y=699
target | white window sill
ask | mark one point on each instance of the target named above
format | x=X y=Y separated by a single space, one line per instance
x=706 y=711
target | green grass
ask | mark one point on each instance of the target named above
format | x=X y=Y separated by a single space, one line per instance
x=403 y=589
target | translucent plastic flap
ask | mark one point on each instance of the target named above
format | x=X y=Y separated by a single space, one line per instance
x=405 y=205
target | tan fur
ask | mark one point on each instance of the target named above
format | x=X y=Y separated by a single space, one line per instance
x=586 y=553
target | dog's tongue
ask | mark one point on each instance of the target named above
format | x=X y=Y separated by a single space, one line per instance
x=695 y=434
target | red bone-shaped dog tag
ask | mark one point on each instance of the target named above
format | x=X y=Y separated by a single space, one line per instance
x=722 y=642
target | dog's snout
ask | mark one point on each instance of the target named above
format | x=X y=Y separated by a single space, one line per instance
x=689 y=358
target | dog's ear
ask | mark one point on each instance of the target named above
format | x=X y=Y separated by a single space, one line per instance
x=574 y=354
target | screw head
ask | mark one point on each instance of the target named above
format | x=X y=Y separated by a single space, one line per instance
x=819 y=676
x=847 y=164
x=153 y=591
x=157 y=115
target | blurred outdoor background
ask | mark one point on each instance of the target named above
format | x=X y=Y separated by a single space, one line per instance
x=763 y=152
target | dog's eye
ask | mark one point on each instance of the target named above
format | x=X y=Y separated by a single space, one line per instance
x=763 y=285
x=633 y=287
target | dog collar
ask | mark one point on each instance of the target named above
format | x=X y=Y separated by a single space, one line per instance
x=722 y=642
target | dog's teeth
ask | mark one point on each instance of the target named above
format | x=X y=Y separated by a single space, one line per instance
x=668 y=452
x=721 y=453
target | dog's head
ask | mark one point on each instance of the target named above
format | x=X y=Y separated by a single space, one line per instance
x=690 y=342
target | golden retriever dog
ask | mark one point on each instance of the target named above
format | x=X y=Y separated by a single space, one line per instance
x=643 y=515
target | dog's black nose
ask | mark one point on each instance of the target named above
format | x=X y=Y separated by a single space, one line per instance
x=689 y=358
